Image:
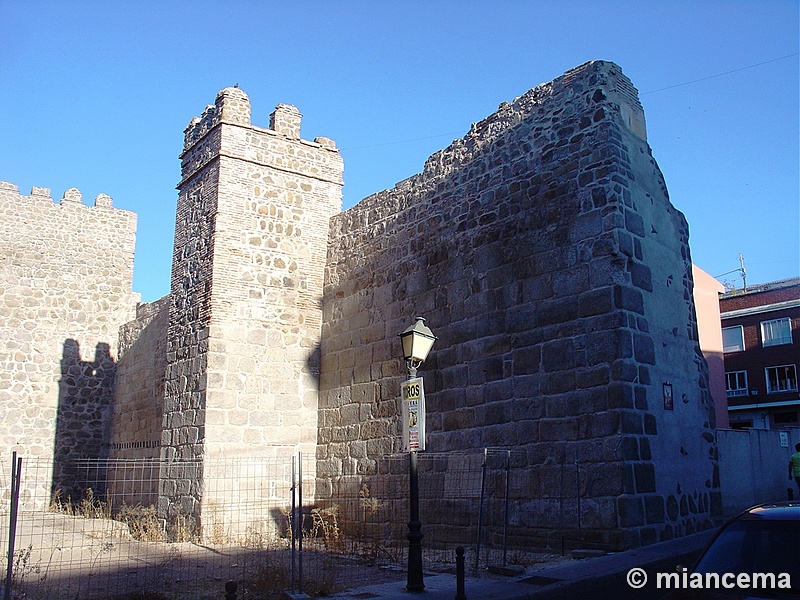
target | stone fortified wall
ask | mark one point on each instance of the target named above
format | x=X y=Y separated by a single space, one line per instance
x=541 y=247
x=139 y=384
x=245 y=316
x=66 y=270
x=138 y=406
x=544 y=252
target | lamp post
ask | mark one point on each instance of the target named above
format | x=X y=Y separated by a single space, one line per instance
x=417 y=342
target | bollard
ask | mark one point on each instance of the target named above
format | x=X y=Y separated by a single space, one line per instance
x=230 y=590
x=460 y=595
x=789 y=494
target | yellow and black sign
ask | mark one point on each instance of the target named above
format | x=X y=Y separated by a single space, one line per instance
x=413 y=415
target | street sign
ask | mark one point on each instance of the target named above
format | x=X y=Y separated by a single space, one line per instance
x=413 y=415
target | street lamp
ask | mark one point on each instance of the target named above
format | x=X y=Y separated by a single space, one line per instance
x=417 y=342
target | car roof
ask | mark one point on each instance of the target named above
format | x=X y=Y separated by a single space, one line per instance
x=774 y=511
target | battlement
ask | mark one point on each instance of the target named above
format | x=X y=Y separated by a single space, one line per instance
x=286 y=121
x=232 y=106
x=72 y=196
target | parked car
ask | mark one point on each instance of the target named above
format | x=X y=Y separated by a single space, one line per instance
x=763 y=540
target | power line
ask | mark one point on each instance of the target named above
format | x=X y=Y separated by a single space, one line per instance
x=429 y=137
x=669 y=87
x=766 y=62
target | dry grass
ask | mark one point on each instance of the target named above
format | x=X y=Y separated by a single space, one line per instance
x=143 y=523
x=88 y=507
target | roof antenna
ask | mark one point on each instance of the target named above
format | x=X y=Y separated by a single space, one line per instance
x=730 y=286
x=743 y=271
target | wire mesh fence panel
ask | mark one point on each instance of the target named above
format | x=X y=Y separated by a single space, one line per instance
x=110 y=538
x=462 y=494
x=113 y=536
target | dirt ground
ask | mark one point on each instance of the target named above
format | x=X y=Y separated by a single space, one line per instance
x=75 y=558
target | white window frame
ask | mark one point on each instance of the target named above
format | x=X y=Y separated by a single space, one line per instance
x=788 y=369
x=769 y=328
x=733 y=392
x=738 y=347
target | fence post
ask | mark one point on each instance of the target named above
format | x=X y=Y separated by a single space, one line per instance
x=460 y=593
x=505 y=517
x=480 y=510
x=300 y=523
x=293 y=520
x=578 y=497
x=16 y=475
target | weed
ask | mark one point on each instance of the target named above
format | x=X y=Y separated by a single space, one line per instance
x=217 y=523
x=89 y=507
x=325 y=522
x=143 y=523
x=183 y=528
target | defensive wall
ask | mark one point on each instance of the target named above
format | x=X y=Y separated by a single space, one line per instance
x=544 y=252
x=542 y=248
x=66 y=272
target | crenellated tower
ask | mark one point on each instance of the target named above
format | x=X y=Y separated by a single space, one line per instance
x=246 y=302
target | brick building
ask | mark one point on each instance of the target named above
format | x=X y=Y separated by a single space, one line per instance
x=761 y=333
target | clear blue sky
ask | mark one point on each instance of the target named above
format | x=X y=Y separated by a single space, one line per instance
x=96 y=96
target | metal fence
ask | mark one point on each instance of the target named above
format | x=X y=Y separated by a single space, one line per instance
x=265 y=524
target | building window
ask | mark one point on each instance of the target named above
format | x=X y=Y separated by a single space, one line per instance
x=785 y=418
x=736 y=383
x=781 y=379
x=732 y=339
x=776 y=332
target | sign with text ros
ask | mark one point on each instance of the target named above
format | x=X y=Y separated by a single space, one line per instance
x=413 y=415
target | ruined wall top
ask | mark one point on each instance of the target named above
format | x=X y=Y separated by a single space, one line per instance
x=604 y=82
x=616 y=93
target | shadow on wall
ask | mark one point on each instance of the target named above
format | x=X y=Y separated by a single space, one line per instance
x=314 y=365
x=82 y=434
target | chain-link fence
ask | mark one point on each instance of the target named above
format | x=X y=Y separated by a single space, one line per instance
x=267 y=524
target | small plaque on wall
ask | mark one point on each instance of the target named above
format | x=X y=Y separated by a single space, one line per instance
x=668 y=405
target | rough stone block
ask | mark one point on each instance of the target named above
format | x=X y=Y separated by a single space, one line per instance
x=631 y=511
x=558 y=355
x=645 y=477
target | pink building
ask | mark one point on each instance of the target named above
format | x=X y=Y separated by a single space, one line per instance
x=707 y=291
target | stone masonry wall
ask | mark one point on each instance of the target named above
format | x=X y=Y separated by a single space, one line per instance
x=66 y=270
x=245 y=322
x=138 y=407
x=139 y=387
x=544 y=252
